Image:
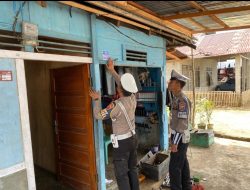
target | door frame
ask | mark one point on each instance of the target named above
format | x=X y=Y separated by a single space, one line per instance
x=20 y=57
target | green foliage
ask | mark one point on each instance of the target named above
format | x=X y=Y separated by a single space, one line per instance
x=209 y=108
x=205 y=108
x=200 y=111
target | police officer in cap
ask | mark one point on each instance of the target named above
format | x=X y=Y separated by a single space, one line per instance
x=180 y=112
x=122 y=114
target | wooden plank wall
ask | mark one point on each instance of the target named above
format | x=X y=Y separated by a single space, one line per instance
x=220 y=98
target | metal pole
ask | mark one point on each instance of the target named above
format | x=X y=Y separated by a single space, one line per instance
x=193 y=80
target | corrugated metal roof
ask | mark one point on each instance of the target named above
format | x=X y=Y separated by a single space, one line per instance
x=165 y=8
x=187 y=24
x=207 y=22
x=213 y=5
x=202 y=23
x=221 y=44
x=236 y=19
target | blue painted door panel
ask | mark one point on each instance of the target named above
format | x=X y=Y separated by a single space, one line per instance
x=10 y=127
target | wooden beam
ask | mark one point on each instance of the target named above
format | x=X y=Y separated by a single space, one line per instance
x=196 y=23
x=207 y=12
x=221 y=29
x=147 y=14
x=213 y=17
x=171 y=50
x=43 y=56
x=130 y=14
x=105 y=14
x=42 y=3
x=168 y=54
x=197 y=6
x=219 y=21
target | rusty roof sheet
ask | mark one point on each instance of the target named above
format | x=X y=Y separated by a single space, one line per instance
x=228 y=43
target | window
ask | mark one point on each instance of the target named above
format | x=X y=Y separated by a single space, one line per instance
x=209 y=76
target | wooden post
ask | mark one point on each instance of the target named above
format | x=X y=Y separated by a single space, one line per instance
x=193 y=80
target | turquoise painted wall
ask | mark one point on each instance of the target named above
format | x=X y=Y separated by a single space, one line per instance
x=54 y=20
x=109 y=39
x=11 y=145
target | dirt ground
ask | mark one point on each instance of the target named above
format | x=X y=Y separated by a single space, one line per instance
x=224 y=165
x=232 y=122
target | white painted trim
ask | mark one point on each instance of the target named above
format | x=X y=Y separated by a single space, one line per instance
x=12 y=169
x=242 y=56
x=25 y=123
x=43 y=57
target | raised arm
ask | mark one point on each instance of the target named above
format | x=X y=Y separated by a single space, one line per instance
x=99 y=113
x=110 y=67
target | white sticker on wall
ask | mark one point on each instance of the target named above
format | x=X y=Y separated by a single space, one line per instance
x=105 y=55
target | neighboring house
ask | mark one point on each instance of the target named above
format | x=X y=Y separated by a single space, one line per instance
x=211 y=50
x=205 y=72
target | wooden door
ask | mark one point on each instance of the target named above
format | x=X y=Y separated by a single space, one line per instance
x=74 y=128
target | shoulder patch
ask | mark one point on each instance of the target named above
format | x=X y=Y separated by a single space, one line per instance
x=111 y=106
x=182 y=105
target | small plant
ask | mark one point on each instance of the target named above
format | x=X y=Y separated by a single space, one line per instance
x=201 y=114
x=205 y=109
x=208 y=108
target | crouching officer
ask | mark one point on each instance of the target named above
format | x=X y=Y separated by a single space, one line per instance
x=180 y=112
x=122 y=114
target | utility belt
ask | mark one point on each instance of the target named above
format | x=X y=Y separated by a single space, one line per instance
x=115 y=138
x=185 y=135
x=125 y=136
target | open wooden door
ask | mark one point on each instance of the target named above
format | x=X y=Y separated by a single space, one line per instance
x=74 y=128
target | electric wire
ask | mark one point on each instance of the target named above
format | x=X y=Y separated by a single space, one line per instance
x=15 y=21
x=132 y=38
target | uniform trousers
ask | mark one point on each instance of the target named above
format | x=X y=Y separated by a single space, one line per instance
x=179 y=171
x=125 y=161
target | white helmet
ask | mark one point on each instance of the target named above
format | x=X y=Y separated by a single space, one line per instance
x=128 y=83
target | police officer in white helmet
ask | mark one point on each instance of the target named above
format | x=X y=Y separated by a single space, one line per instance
x=122 y=114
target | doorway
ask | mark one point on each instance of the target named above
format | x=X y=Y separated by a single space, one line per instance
x=61 y=125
